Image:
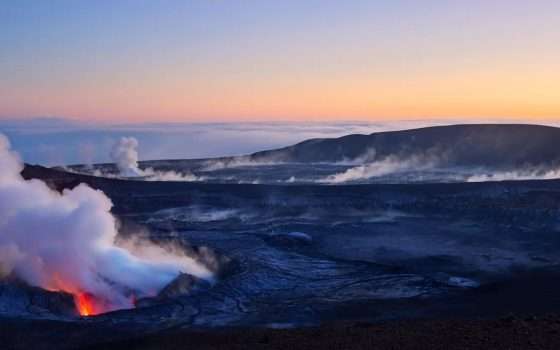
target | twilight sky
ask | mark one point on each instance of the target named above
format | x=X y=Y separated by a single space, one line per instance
x=296 y=60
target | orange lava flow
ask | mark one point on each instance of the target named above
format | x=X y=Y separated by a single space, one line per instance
x=84 y=304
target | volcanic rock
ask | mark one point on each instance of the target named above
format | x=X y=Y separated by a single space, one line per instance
x=183 y=285
x=18 y=299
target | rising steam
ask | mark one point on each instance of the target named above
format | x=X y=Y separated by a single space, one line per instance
x=66 y=242
x=125 y=155
x=237 y=162
x=385 y=166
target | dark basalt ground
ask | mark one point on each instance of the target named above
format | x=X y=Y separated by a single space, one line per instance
x=509 y=332
x=505 y=333
x=341 y=266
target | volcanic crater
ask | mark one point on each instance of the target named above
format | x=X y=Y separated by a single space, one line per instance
x=305 y=254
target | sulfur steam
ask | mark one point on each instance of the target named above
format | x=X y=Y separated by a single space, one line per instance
x=66 y=242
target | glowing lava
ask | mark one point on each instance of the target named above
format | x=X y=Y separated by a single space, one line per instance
x=85 y=304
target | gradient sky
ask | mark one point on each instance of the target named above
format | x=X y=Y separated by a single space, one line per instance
x=302 y=60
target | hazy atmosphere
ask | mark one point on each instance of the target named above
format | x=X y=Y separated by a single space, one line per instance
x=279 y=174
x=57 y=141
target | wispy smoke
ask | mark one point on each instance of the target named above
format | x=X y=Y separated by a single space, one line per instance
x=155 y=175
x=367 y=157
x=236 y=162
x=388 y=165
x=431 y=161
x=66 y=241
x=515 y=175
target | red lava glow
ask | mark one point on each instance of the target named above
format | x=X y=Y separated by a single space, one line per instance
x=85 y=304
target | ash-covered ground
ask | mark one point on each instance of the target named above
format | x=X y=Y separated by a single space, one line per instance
x=306 y=255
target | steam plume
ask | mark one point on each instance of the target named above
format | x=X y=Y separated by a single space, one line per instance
x=385 y=166
x=125 y=156
x=66 y=242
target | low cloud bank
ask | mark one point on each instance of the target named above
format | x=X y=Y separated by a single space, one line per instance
x=51 y=141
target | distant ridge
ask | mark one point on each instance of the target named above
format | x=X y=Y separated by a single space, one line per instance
x=487 y=145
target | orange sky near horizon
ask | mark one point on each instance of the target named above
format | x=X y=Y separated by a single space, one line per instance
x=262 y=61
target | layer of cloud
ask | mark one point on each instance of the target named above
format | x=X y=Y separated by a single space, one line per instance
x=52 y=141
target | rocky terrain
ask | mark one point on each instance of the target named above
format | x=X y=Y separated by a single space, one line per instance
x=371 y=265
x=440 y=154
x=492 y=145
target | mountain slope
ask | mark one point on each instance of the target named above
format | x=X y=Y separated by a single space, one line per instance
x=491 y=145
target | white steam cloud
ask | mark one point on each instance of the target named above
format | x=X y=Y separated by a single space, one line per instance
x=66 y=241
x=125 y=155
